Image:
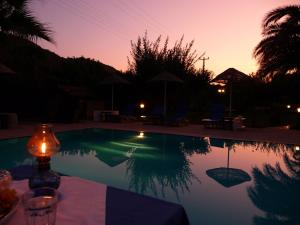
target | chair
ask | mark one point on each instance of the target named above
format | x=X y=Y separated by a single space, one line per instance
x=238 y=123
x=217 y=119
x=128 y=113
x=179 y=118
x=155 y=117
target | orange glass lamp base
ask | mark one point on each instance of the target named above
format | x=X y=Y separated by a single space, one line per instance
x=43 y=144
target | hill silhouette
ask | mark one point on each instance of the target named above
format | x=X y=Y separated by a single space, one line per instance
x=37 y=64
x=38 y=87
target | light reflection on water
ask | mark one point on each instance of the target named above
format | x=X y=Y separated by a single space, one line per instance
x=174 y=168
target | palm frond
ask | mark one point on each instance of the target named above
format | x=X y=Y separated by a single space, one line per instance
x=278 y=14
x=277 y=52
x=18 y=20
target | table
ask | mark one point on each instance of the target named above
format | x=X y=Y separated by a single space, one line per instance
x=103 y=204
x=81 y=202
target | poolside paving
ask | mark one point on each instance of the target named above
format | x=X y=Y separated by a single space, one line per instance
x=271 y=134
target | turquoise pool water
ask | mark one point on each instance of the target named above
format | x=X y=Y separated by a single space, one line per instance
x=217 y=181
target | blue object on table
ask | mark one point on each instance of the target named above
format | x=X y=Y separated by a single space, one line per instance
x=128 y=208
x=22 y=172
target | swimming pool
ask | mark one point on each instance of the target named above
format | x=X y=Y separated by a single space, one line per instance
x=217 y=181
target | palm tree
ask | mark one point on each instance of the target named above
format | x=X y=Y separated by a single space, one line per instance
x=16 y=19
x=279 y=51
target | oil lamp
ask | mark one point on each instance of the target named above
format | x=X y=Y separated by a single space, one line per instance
x=43 y=144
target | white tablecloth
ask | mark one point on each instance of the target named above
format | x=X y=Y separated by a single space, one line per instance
x=82 y=202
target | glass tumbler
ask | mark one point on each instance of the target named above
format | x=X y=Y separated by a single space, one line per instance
x=40 y=206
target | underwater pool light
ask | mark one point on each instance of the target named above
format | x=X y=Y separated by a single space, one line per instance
x=141 y=134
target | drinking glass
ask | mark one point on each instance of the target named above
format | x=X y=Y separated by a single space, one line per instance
x=40 y=206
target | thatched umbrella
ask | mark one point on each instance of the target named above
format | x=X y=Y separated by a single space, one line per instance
x=113 y=79
x=113 y=157
x=5 y=70
x=227 y=176
x=166 y=77
x=228 y=77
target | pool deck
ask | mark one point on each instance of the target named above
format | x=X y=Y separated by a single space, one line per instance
x=271 y=134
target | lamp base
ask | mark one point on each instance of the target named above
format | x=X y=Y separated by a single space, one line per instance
x=43 y=176
x=47 y=178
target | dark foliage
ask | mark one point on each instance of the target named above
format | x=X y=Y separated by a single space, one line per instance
x=150 y=58
x=279 y=51
x=276 y=193
x=16 y=19
x=35 y=90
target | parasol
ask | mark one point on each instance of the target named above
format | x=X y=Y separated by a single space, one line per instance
x=228 y=77
x=166 y=77
x=227 y=176
x=5 y=70
x=113 y=79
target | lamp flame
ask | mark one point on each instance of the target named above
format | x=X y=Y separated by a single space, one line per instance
x=43 y=148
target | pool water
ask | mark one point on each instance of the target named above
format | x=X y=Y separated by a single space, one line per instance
x=218 y=181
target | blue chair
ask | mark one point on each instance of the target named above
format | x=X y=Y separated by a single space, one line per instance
x=216 y=119
x=155 y=117
x=128 y=113
x=179 y=118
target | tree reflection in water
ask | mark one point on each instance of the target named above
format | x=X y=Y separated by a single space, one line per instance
x=165 y=168
x=277 y=193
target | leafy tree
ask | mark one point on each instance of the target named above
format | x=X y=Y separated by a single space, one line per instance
x=279 y=51
x=149 y=58
x=16 y=19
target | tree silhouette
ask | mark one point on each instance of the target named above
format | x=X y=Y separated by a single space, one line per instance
x=16 y=19
x=279 y=51
x=149 y=58
x=277 y=193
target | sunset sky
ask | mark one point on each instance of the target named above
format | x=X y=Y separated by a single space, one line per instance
x=227 y=30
